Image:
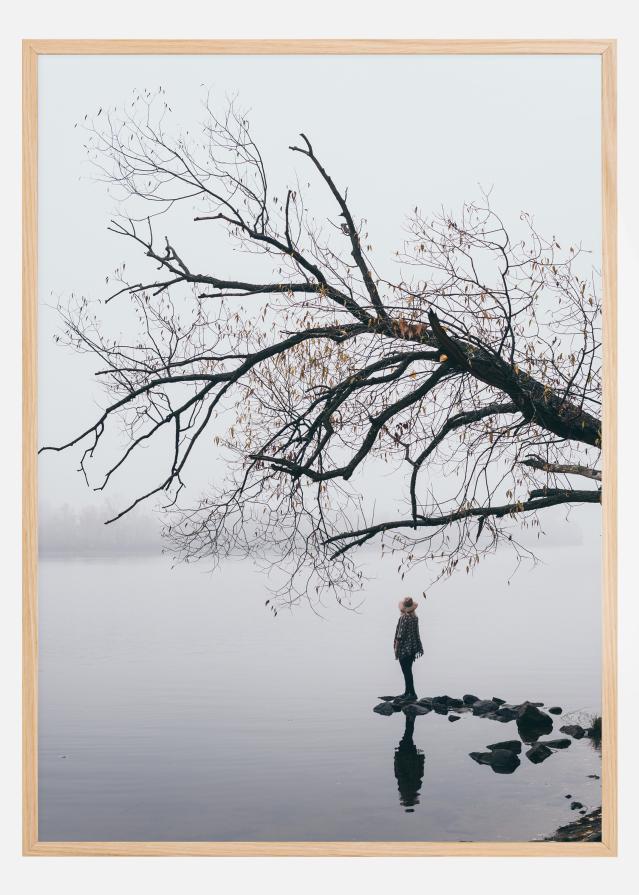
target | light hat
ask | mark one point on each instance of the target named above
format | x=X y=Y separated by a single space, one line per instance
x=407 y=605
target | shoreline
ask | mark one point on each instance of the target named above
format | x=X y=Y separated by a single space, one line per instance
x=586 y=829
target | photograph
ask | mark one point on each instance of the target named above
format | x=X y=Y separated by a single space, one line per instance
x=321 y=462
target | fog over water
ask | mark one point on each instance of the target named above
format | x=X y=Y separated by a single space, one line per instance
x=173 y=703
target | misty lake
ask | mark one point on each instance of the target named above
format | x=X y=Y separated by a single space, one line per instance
x=175 y=706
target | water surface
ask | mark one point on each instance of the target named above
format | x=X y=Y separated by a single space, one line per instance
x=175 y=706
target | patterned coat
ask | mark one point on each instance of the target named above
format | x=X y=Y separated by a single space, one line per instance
x=407 y=641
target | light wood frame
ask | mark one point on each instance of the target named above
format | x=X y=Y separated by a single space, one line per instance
x=606 y=49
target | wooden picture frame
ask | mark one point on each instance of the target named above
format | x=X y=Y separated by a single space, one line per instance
x=32 y=50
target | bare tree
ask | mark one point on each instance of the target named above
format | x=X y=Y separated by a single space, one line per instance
x=475 y=375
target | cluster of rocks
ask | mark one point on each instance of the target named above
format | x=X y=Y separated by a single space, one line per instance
x=527 y=714
x=576 y=731
x=503 y=757
x=586 y=829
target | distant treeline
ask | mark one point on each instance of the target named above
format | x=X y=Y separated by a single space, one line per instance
x=66 y=531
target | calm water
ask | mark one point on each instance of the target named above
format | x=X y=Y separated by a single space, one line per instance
x=174 y=706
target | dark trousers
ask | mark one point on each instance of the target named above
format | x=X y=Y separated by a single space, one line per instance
x=406 y=664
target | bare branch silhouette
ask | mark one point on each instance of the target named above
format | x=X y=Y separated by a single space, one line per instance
x=475 y=374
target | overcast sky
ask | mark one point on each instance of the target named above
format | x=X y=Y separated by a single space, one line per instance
x=398 y=131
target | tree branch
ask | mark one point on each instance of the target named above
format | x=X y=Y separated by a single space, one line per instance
x=562 y=468
x=538 y=500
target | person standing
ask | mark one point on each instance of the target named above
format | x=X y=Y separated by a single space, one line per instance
x=407 y=644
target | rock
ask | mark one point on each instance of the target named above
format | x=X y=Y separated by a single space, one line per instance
x=463 y=709
x=440 y=707
x=454 y=717
x=469 y=699
x=425 y=700
x=482 y=757
x=507 y=712
x=568 y=796
x=510 y=745
x=384 y=708
x=586 y=829
x=498 y=700
x=448 y=701
x=555 y=710
x=583 y=811
x=556 y=744
x=573 y=730
x=575 y=805
x=387 y=698
x=532 y=723
x=403 y=700
x=483 y=706
x=538 y=753
x=528 y=711
x=502 y=761
x=594 y=776
x=414 y=708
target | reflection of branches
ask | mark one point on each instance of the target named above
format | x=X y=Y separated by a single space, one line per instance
x=480 y=362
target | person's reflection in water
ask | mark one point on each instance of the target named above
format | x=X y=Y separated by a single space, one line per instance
x=409 y=767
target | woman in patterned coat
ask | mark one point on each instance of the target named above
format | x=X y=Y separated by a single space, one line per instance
x=407 y=644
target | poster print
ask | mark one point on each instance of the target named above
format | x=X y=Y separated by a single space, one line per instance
x=320 y=448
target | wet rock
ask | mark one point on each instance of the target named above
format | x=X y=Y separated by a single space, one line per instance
x=449 y=701
x=510 y=745
x=594 y=776
x=484 y=706
x=454 y=717
x=403 y=700
x=532 y=723
x=586 y=829
x=555 y=710
x=573 y=730
x=384 y=708
x=481 y=757
x=498 y=700
x=440 y=707
x=568 y=796
x=425 y=700
x=583 y=811
x=528 y=711
x=414 y=708
x=575 y=805
x=387 y=698
x=507 y=712
x=538 y=753
x=502 y=761
x=469 y=699
x=556 y=744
